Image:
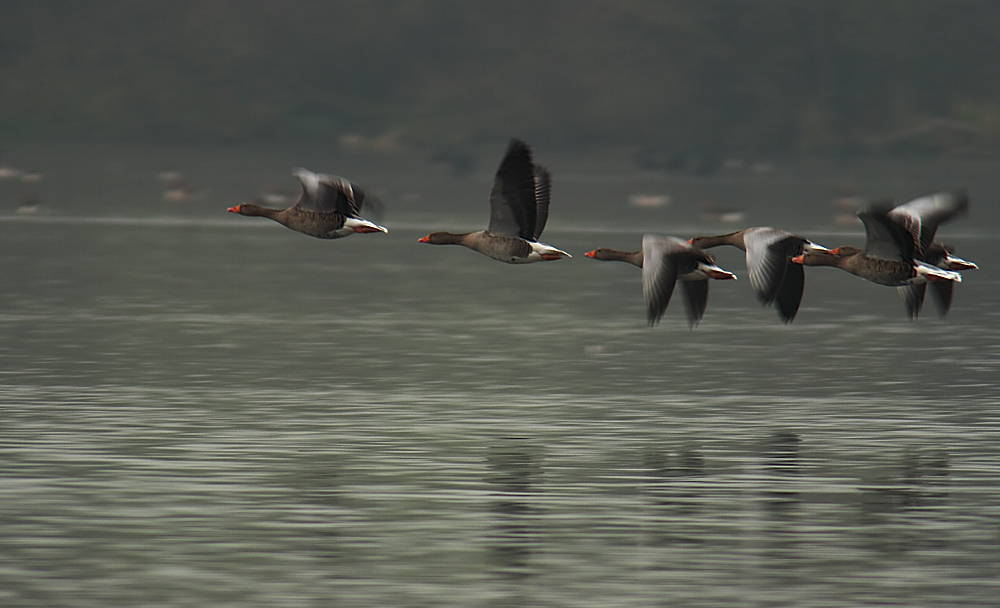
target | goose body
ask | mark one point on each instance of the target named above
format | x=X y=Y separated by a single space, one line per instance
x=327 y=209
x=773 y=276
x=664 y=261
x=900 y=250
x=893 y=273
x=519 y=208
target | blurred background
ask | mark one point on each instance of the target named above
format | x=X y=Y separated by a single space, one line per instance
x=216 y=101
x=702 y=78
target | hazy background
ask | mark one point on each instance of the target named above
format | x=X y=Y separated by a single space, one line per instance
x=708 y=77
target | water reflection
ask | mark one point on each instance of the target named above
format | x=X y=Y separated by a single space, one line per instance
x=161 y=449
x=779 y=533
x=308 y=502
x=780 y=455
x=514 y=471
x=902 y=498
x=674 y=481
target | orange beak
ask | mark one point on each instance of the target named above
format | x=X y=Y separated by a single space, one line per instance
x=235 y=209
x=796 y=260
x=589 y=254
x=424 y=239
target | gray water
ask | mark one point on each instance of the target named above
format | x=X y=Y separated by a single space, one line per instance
x=202 y=409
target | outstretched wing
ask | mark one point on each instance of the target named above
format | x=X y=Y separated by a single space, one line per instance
x=790 y=293
x=339 y=195
x=512 y=201
x=329 y=193
x=913 y=297
x=659 y=273
x=768 y=253
x=543 y=189
x=886 y=239
x=922 y=216
x=942 y=291
x=695 y=300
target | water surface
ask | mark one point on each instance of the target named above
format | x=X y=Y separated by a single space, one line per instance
x=205 y=409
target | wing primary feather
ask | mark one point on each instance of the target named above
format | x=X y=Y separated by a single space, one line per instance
x=695 y=300
x=543 y=190
x=913 y=298
x=512 y=201
x=789 y=295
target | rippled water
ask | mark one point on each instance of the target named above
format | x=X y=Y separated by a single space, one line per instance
x=212 y=410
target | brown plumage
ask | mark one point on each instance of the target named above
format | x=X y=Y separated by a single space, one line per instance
x=773 y=277
x=664 y=261
x=853 y=260
x=899 y=249
x=327 y=209
x=519 y=208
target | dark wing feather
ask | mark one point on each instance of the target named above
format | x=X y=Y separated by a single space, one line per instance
x=913 y=297
x=695 y=300
x=373 y=206
x=922 y=216
x=659 y=273
x=942 y=291
x=886 y=239
x=790 y=293
x=334 y=195
x=543 y=189
x=769 y=252
x=512 y=201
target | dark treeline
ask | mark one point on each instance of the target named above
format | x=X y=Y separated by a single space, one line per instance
x=783 y=76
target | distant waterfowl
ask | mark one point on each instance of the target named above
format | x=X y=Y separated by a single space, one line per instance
x=271 y=194
x=711 y=212
x=175 y=187
x=8 y=171
x=28 y=204
x=773 y=277
x=664 y=261
x=899 y=242
x=327 y=209
x=519 y=207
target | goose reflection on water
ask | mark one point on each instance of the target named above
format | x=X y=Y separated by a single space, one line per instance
x=780 y=455
x=902 y=498
x=514 y=469
x=779 y=537
x=674 y=483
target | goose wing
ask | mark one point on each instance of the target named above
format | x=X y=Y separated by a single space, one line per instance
x=659 y=272
x=886 y=238
x=942 y=291
x=922 y=216
x=543 y=190
x=513 y=210
x=329 y=194
x=768 y=253
x=913 y=297
x=695 y=300
x=789 y=295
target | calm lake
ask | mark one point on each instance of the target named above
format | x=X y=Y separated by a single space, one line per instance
x=203 y=409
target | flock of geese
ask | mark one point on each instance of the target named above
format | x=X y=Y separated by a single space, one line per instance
x=900 y=250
